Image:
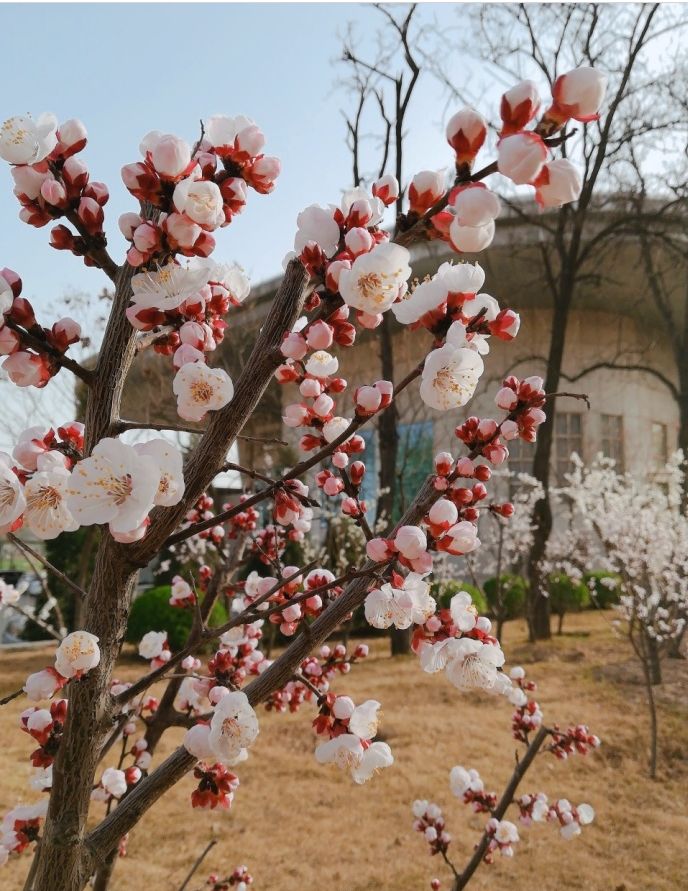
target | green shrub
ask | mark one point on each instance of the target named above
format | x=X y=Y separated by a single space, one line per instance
x=602 y=595
x=566 y=595
x=151 y=611
x=513 y=595
x=445 y=590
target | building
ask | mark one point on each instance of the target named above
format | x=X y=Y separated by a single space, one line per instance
x=633 y=418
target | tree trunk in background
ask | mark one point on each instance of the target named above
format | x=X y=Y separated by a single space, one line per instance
x=538 y=608
x=653 y=661
x=675 y=650
x=388 y=444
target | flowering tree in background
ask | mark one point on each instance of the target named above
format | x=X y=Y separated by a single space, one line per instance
x=506 y=537
x=345 y=273
x=501 y=835
x=638 y=527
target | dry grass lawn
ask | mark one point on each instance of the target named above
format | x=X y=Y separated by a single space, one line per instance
x=302 y=827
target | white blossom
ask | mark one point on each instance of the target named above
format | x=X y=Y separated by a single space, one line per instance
x=25 y=141
x=450 y=376
x=115 y=485
x=77 y=654
x=233 y=727
x=376 y=279
x=200 y=389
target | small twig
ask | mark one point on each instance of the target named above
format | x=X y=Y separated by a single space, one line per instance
x=42 y=346
x=118 y=427
x=201 y=857
x=48 y=565
x=11 y=696
x=582 y=396
x=37 y=620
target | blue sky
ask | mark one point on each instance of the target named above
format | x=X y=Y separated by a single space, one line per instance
x=128 y=69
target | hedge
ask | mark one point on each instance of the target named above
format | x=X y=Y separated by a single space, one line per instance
x=151 y=611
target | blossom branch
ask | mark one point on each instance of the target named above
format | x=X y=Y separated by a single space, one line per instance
x=23 y=546
x=520 y=771
x=40 y=345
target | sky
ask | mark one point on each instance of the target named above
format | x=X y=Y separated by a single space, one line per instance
x=127 y=69
x=135 y=68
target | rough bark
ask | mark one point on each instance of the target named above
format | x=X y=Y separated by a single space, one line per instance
x=63 y=852
x=101 y=841
x=538 y=607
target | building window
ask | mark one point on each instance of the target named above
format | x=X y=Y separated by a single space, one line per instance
x=568 y=438
x=415 y=453
x=370 y=482
x=612 y=439
x=521 y=456
x=659 y=446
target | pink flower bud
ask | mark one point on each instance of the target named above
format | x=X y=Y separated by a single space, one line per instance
x=75 y=174
x=386 y=189
x=369 y=320
x=357 y=472
x=378 y=550
x=411 y=542
x=295 y=415
x=146 y=237
x=185 y=354
x=465 y=467
x=521 y=157
x=250 y=141
x=471 y=239
x=91 y=215
x=310 y=388
x=443 y=463
x=193 y=333
x=71 y=137
x=294 y=346
x=334 y=270
x=426 y=188
x=53 y=192
x=506 y=399
x=519 y=106
x=367 y=400
x=320 y=336
x=66 y=331
x=358 y=241
x=578 y=95
x=340 y=460
x=443 y=514
x=559 y=182
x=292 y=613
x=9 y=341
x=27 y=370
x=386 y=390
x=128 y=223
x=169 y=155
x=323 y=405
x=466 y=132
x=475 y=205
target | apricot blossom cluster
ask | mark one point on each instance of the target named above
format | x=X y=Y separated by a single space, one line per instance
x=178 y=298
x=500 y=835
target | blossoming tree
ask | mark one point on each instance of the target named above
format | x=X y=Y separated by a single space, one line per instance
x=640 y=530
x=346 y=271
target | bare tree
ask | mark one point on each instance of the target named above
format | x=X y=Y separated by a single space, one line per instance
x=382 y=89
x=545 y=41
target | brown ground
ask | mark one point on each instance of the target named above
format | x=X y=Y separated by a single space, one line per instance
x=302 y=827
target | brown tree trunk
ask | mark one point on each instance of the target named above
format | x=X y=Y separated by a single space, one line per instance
x=538 y=606
x=388 y=445
x=654 y=663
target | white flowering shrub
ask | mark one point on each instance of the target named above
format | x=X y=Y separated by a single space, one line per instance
x=635 y=528
x=171 y=295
